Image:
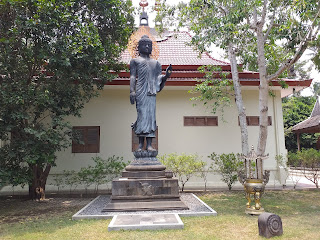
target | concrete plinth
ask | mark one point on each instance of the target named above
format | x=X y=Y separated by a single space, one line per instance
x=151 y=205
x=145 y=185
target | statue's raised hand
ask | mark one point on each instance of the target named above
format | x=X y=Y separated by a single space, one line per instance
x=132 y=97
x=169 y=71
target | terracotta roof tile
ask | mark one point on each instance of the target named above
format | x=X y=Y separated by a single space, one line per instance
x=174 y=50
x=307 y=125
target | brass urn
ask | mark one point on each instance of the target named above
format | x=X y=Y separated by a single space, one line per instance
x=254 y=181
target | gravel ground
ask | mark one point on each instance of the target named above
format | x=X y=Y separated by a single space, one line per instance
x=196 y=207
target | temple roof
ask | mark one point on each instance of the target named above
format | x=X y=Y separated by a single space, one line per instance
x=174 y=48
x=312 y=124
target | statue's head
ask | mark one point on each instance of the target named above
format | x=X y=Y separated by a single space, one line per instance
x=145 y=45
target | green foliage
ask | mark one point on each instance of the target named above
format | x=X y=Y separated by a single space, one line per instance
x=280 y=160
x=315 y=46
x=206 y=169
x=308 y=160
x=228 y=22
x=227 y=165
x=295 y=110
x=183 y=166
x=294 y=160
x=311 y=164
x=266 y=36
x=214 y=92
x=103 y=171
x=58 y=181
x=54 y=57
x=71 y=179
x=316 y=88
x=12 y=172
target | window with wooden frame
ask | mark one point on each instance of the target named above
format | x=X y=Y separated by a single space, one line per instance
x=254 y=121
x=200 y=121
x=135 y=141
x=86 y=139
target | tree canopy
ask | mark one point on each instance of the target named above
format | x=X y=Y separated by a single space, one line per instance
x=54 y=56
x=266 y=36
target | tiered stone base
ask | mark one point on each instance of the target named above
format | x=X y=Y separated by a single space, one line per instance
x=145 y=185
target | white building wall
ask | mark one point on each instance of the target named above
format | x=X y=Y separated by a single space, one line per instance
x=114 y=114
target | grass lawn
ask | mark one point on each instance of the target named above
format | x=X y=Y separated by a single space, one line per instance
x=299 y=210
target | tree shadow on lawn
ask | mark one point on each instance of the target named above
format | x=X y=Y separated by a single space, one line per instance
x=20 y=216
x=23 y=210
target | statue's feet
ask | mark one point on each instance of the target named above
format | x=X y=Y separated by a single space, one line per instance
x=139 y=150
x=151 y=149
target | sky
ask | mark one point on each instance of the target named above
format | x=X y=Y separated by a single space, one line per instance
x=216 y=52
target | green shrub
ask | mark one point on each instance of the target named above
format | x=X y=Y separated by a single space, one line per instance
x=71 y=179
x=227 y=165
x=308 y=160
x=105 y=170
x=102 y=172
x=58 y=180
x=206 y=169
x=183 y=166
x=293 y=160
x=311 y=164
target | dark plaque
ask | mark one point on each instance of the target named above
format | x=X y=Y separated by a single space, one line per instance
x=270 y=225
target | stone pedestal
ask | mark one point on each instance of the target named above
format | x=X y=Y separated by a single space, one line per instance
x=145 y=185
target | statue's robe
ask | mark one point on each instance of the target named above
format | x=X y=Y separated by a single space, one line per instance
x=148 y=83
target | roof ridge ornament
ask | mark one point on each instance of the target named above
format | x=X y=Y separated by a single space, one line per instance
x=143 y=4
x=144 y=15
x=157 y=5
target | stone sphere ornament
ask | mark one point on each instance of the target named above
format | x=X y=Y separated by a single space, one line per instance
x=270 y=225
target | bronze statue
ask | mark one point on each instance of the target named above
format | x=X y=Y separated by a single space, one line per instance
x=145 y=81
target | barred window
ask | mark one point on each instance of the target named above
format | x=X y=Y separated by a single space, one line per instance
x=254 y=121
x=200 y=121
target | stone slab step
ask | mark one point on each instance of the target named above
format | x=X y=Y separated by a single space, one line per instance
x=120 y=206
x=145 y=222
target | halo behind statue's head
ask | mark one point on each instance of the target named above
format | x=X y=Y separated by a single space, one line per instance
x=134 y=42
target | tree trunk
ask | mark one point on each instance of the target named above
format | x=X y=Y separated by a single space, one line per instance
x=39 y=180
x=263 y=100
x=240 y=106
x=239 y=101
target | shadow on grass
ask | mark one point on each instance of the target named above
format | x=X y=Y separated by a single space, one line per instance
x=299 y=210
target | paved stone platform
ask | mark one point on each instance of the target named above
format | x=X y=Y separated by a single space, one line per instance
x=155 y=221
x=145 y=220
x=94 y=209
